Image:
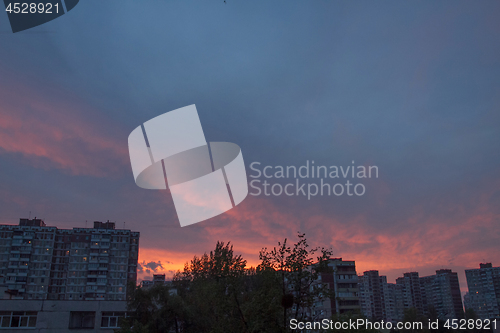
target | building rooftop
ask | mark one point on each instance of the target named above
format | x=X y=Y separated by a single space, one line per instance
x=32 y=223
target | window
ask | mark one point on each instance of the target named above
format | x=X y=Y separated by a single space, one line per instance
x=111 y=319
x=82 y=319
x=18 y=319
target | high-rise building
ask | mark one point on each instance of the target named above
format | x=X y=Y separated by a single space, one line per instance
x=43 y=262
x=467 y=301
x=441 y=292
x=411 y=291
x=381 y=300
x=387 y=301
x=158 y=279
x=394 y=305
x=484 y=290
x=372 y=288
x=342 y=280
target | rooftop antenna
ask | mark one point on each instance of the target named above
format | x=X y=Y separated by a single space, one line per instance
x=85 y=223
x=123 y=224
x=29 y=216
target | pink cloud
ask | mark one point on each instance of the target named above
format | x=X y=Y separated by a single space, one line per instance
x=57 y=133
x=422 y=242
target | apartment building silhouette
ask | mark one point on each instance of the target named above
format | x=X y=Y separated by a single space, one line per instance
x=43 y=262
x=484 y=290
x=435 y=295
x=59 y=280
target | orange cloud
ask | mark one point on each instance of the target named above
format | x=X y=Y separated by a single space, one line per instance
x=171 y=261
x=420 y=243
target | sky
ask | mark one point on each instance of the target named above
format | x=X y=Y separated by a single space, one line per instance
x=412 y=88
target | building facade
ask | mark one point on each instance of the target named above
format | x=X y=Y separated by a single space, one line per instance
x=41 y=262
x=54 y=316
x=372 y=292
x=441 y=292
x=394 y=305
x=436 y=294
x=158 y=279
x=342 y=281
x=484 y=290
x=381 y=300
x=411 y=291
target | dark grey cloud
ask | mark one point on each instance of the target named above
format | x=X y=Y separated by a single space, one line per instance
x=149 y=267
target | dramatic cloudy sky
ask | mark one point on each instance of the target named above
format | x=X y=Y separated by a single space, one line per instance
x=413 y=88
